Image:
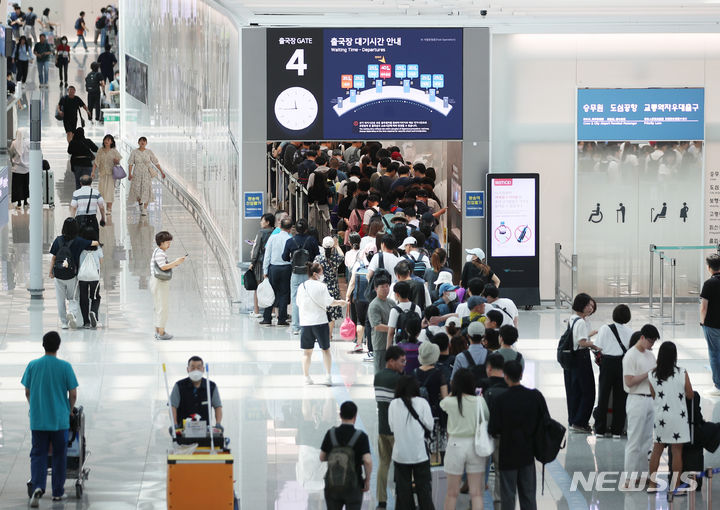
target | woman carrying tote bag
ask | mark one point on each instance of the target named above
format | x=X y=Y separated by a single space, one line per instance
x=466 y=414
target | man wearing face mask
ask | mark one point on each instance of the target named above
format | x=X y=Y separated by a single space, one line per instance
x=189 y=395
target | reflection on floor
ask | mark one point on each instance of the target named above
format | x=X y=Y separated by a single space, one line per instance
x=275 y=423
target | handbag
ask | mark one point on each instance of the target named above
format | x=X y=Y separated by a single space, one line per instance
x=118 y=172
x=265 y=294
x=250 y=280
x=158 y=272
x=484 y=445
x=347 y=328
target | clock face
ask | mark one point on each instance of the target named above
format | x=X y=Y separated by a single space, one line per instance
x=296 y=108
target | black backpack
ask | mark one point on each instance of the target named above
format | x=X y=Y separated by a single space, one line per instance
x=370 y=293
x=342 y=476
x=404 y=317
x=65 y=267
x=565 y=347
x=92 y=82
x=549 y=439
x=478 y=371
x=100 y=22
x=300 y=258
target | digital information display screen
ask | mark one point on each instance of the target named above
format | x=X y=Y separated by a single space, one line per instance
x=641 y=114
x=364 y=84
x=136 y=78
x=514 y=222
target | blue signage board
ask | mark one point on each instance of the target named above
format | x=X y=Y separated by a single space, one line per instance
x=641 y=114
x=474 y=204
x=253 y=204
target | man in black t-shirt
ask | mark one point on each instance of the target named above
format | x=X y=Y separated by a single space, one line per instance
x=68 y=108
x=353 y=499
x=710 y=318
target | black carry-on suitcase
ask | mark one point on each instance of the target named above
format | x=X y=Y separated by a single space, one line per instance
x=693 y=456
x=48 y=185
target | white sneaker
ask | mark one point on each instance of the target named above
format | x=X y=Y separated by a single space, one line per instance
x=308 y=380
x=93 y=320
x=327 y=381
x=713 y=392
x=71 y=320
x=35 y=498
x=63 y=325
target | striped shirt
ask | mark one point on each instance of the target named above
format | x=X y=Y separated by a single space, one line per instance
x=385 y=382
x=82 y=196
x=160 y=257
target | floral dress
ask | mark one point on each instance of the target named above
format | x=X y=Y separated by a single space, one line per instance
x=142 y=172
x=330 y=270
x=105 y=160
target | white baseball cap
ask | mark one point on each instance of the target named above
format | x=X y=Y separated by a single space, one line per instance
x=328 y=242
x=409 y=241
x=477 y=252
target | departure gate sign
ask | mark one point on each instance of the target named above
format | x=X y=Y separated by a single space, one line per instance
x=641 y=114
x=355 y=84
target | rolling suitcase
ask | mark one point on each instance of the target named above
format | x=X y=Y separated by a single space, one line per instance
x=48 y=185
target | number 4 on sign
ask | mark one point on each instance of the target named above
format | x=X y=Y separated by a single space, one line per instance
x=297 y=63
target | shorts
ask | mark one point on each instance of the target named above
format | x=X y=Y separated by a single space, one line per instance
x=361 y=310
x=460 y=457
x=319 y=332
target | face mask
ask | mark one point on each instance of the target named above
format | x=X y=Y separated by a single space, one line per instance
x=321 y=278
x=195 y=375
x=452 y=296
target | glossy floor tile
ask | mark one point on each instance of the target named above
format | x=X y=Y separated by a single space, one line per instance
x=275 y=423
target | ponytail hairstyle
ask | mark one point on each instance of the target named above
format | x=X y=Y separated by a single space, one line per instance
x=484 y=268
x=438 y=259
x=354 y=239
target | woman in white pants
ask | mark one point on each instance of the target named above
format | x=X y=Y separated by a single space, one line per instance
x=161 y=270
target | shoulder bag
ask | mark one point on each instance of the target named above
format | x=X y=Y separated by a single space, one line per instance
x=158 y=272
x=484 y=445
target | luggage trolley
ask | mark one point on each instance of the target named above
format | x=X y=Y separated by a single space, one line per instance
x=77 y=454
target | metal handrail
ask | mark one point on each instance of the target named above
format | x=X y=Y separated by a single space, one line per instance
x=571 y=263
x=300 y=189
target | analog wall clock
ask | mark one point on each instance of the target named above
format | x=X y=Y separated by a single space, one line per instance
x=296 y=108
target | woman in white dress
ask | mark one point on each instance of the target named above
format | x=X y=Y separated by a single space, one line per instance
x=669 y=386
x=140 y=174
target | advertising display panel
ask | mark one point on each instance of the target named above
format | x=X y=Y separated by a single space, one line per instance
x=513 y=240
x=362 y=84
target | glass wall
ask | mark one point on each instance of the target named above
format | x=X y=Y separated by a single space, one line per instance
x=535 y=78
x=191 y=53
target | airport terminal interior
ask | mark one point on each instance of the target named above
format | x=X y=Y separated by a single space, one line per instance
x=538 y=121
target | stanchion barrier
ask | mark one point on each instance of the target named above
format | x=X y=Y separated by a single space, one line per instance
x=651 y=283
x=673 y=290
x=694 y=477
x=662 y=287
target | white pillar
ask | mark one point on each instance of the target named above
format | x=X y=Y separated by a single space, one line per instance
x=36 y=202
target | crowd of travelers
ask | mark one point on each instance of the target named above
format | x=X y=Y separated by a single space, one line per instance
x=444 y=345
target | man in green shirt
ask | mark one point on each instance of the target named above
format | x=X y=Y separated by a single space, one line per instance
x=43 y=51
x=379 y=315
x=51 y=389
x=385 y=382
